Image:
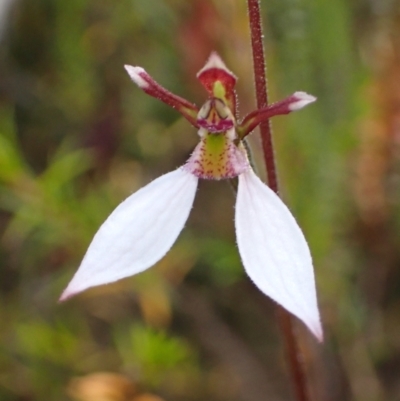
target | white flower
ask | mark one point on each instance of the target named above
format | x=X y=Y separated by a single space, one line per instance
x=144 y=227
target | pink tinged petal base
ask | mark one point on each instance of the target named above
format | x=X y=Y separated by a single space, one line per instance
x=138 y=233
x=217 y=156
x=274 y=251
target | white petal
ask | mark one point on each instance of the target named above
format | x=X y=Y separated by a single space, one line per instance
x=274 y=251
x=138 y=233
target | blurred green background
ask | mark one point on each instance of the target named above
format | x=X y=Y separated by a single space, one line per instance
x=77 y=137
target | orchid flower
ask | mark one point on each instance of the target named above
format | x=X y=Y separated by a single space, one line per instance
x=144 y=227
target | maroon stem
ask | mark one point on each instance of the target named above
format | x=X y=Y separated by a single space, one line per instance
x=261 y=90
x=285 y=320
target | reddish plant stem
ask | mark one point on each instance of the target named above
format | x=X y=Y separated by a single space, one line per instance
x=285 y=320
x=261 y=90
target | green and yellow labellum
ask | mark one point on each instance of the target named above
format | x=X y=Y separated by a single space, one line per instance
x=218 y=156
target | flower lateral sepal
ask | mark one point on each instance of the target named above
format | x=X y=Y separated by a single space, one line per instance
x=294 y=102
x=145 y=82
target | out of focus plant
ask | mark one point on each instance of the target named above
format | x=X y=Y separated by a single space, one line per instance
x=76 y=139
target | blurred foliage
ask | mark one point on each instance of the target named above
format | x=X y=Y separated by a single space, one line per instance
x=76 y=137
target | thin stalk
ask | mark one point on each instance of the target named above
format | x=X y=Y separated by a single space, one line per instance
x=285 y=319
x=261 y=90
